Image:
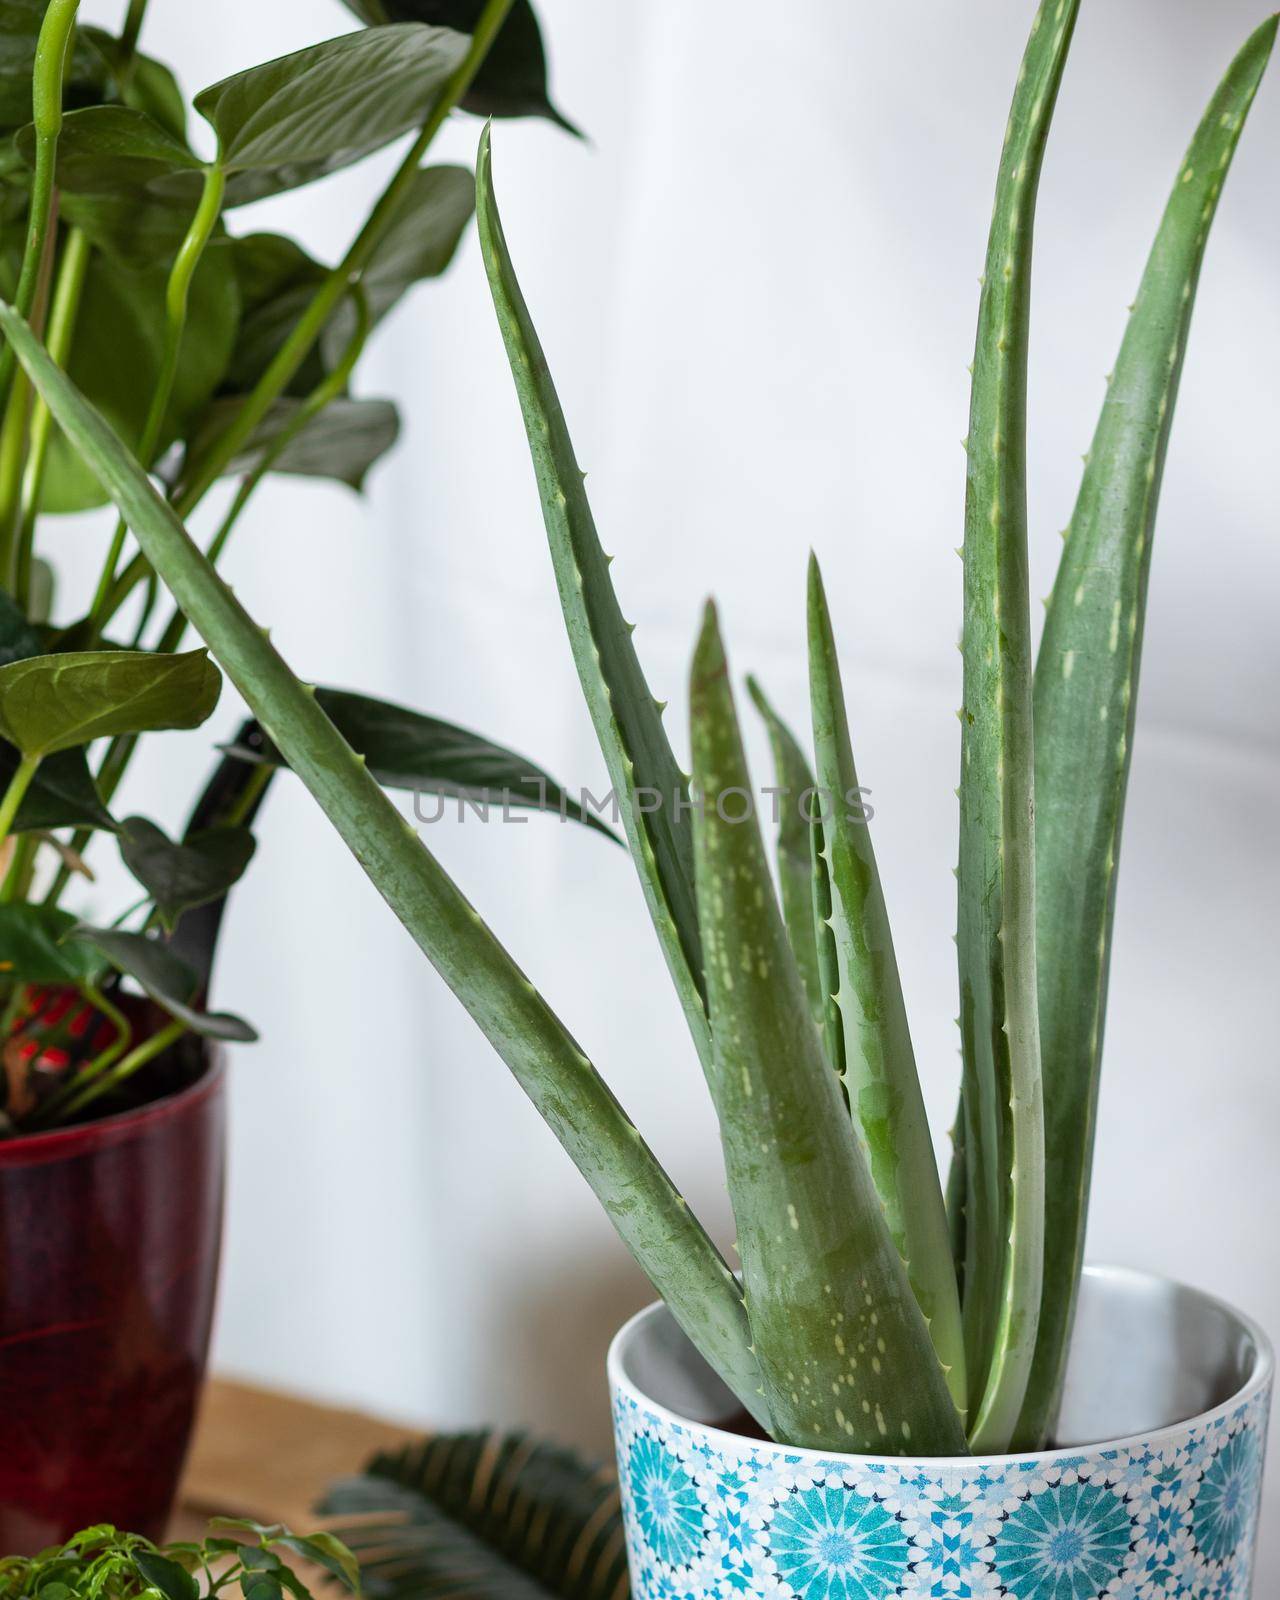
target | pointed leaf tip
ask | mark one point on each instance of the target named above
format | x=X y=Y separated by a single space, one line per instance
x=486 y=203
x=709 y=658
x=819 y=611
x=635 y=745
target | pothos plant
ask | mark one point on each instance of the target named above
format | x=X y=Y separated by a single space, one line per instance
x=104 y=1563
x=219 y=354
x=869 y=1316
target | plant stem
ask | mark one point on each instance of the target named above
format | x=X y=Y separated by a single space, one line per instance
x=18 y=877
x=79 y=840
x=63 y=315
x=132 y=910
x=247 y=798
x=58 y=1106
x=15 y=794
x=118 y=1020
x=12 y=1006
x=177 y=302
x=311 y=325
x=121 y=748
x=276 y=379
x=130 y=32
x=147 y=1051
x=328 y=390
x=13 y=449
x=14 y=434
x=148 y=607
x=52 y=51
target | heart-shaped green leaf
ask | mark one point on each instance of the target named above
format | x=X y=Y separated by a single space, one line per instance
x=117 y=150
x=328 y=1552
x=143 y=83
x=263 y=1530
x=13 y=203
x=422 y=237
x=34 y=947
x=277 y=281
x=512 y=81
x=343 y=442
x=19 y=27
x=137 y=230
x=20 y=22
x=406 y=750
x=293 y=120
x=164 y=979
x=179 y=877
x=128 y=181
x=420 y=242
x=262 y=1586
x=172 y=1581
x=119 y=351
x=62 y=794
x=52 y=703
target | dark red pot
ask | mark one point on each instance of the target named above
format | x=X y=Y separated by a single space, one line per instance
x=109 y=1242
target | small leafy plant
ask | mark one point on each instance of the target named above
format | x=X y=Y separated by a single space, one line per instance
x=218 y=354
x=103 y=1563
x=870 y=1315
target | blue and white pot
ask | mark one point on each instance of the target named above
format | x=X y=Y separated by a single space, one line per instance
x=1176 y=1385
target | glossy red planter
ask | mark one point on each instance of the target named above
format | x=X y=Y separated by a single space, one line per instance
x=109 y=1243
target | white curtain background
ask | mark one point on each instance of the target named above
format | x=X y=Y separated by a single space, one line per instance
x=757 y=285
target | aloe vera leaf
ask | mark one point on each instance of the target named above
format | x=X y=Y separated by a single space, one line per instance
x=1004 y=1135
x=956 y=1199
x=652 y=792
x=650 y=1215
x=1086 y=699
x=794 y=791
x=880 y=1079
x=828 y=961
x=842 y=1345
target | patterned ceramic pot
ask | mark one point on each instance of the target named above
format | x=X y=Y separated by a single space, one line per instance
x=1175 y=1384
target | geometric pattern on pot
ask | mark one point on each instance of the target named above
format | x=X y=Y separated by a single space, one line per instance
x=713 y=1517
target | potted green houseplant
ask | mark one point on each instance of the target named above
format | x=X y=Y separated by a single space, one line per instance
x=219 y=354
x=907 y=1421
x=234 y=1556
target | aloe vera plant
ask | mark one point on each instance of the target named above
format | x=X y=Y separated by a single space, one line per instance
x=217 y=353
x=866 y=1318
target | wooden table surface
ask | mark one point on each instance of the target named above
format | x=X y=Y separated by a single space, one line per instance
x=270 y=1456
